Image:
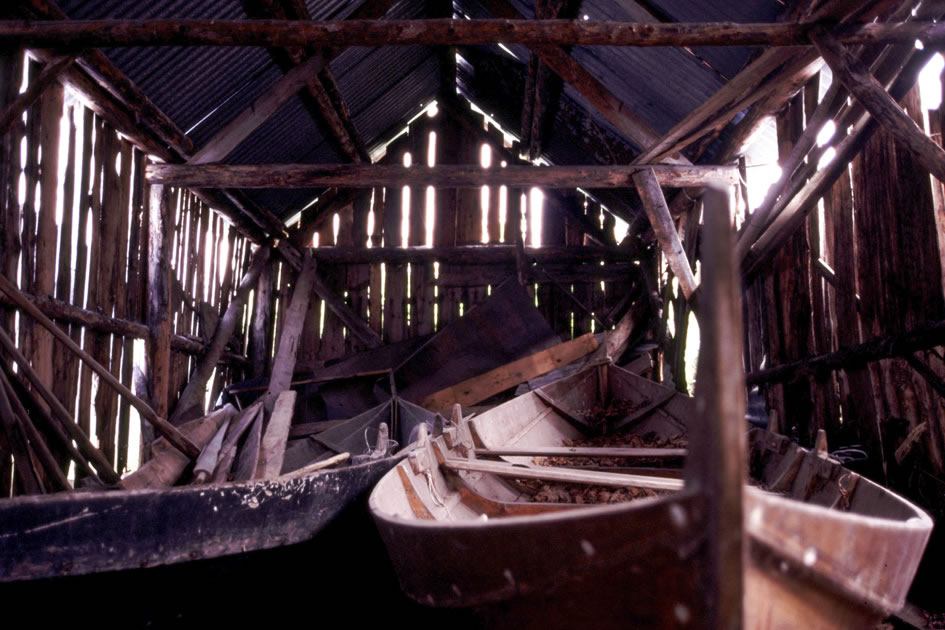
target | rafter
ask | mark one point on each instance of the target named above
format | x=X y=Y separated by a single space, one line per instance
x=258 y=112
x=857 y=78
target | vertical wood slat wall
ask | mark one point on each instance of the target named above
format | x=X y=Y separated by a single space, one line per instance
x=75 y=229
x=882 y=234
x=422 y=298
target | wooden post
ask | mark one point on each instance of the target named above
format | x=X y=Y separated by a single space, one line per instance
x=159 y=324
x=716 y=465
x=46 y=230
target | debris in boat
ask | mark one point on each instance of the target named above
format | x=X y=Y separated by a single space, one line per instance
x=546 y=492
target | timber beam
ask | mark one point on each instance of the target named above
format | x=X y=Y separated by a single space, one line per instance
x=899 y=346
x=444 y=176
x=470 y=254
x=73 y=34
x=658 y=212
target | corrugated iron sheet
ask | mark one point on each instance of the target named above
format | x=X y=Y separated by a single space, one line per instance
x=201 y=89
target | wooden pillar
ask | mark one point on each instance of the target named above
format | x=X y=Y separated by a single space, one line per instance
x=159 y=324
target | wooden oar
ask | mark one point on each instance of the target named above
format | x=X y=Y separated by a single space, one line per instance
x=564 y=475
x=583 y=451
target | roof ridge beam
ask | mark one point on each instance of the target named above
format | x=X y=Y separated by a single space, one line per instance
x=71 y=34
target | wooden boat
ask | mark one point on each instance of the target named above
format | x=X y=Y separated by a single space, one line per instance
x=117 y=530
x=826 y=547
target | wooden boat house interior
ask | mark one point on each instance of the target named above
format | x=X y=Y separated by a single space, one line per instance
x=260 y=249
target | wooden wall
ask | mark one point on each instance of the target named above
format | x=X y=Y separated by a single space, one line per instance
x=74 y=236
x=880 y=231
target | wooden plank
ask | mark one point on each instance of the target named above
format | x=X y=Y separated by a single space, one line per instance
x=564 y=475
x=105 y=400
x=50 y=427
x=470 y=254
x=248 y=454
x=395 y=297
x=52 y=471
x=856 y=77
x=59 y=412
x=159 y=324
x=442 y=176
x=479 y=388
x=272 y=451
x=28 y=223
x=26 y=474
x=292 y=33
x=64 y=381
x=283 y=364
x=657 y=211
x=238 y=426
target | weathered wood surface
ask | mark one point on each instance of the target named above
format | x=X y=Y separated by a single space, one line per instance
x=101 y=323
x=469 y=254
x=191 y=401
x=479 y=388
x=856 y=77
x=185 y=524
x=665 y=229
x=292 y=33
x=37 y=86
x=168 y=464
x=159 y=315
x=272 y=449
x=578 y=451
x=283 y=365
x=63 y=416
x=922 y=338
x=564 y=475
x=161 y=426
x=717 y=452
x=447 y=176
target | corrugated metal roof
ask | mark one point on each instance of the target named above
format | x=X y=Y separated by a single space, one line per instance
x=203 y=88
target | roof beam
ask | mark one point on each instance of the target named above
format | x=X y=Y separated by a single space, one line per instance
x=856 y=78
x=322 y=95
x=444 y=176
x=259 y=111
x=286 y=33
x=799 y=205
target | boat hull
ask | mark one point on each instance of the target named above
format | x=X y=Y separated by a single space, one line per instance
x=81 y=533
x=825 y=547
